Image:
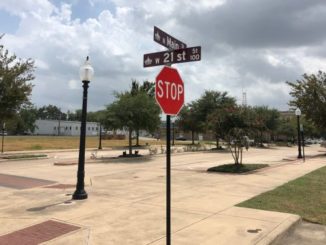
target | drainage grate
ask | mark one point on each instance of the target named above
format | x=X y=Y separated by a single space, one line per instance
x=254 y=230
x=38 y=233
x=19 y=182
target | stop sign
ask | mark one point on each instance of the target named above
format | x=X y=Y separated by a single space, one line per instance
x=169 y=91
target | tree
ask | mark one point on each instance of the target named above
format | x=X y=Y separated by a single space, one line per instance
x=187 y=121
x=206 y=113
x=309 y=94
x=211 y=101
x=211 y=109
x=239 y=126
x=216 y=120
x=287 y=129
x=148 y=88
x=51 y=112
x=96 y=116
x=74 y=116
x=265 y=120
x=23 y=121
x=15 y=89
x=133 y=112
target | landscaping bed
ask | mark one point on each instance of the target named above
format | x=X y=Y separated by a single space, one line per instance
x=239 y=168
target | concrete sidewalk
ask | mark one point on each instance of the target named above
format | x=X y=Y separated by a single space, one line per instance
x=126 y=203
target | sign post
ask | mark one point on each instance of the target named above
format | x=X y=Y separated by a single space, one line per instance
x=169 y=94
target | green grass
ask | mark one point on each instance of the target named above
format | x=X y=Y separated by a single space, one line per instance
x=232 y=168
x=23 y=156
x=26 y=143
x=36 y=147
x=305 y=196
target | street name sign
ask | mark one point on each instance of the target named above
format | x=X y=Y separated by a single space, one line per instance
x=169 y=91
x=172 y=56
x=167 y=40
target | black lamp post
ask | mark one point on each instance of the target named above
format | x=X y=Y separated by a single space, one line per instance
x=298 y=114
x=3 y=136
x=100 y=138
x=86 y=73
x=302 y=142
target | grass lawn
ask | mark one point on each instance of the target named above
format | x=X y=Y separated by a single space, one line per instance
x=232 y=168
x=21 y=143
x=305 y=196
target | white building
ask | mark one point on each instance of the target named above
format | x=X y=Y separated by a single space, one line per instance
x=64 y=128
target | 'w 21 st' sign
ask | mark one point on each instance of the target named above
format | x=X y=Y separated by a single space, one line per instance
x=172 y=56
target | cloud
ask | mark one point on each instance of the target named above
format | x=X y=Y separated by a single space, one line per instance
x=248 y=45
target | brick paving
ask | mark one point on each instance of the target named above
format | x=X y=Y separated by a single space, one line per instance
x=19 y=182
x=38 y=233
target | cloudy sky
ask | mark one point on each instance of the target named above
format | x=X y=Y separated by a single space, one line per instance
x=247 y=45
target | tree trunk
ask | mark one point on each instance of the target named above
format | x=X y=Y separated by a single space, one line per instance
x=137 y=137
x=261 y=138
x=272 y=136
x=241 y=156
x=236 y=153
x=193 y=137
x=217 y=142
x=130 y=141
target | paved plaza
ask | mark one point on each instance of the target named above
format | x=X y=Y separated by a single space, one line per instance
x=126 y=198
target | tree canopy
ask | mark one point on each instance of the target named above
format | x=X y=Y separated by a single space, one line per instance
x=15 y=89
x=309 y=94
x=51 y=112
x=206 y=113
x=187 y=120
x=265 y=120
x=133 y=112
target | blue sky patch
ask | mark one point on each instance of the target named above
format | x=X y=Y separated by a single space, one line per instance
x=9 y=23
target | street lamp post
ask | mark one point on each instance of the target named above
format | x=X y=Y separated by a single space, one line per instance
x=3 y=136
x=100 y=138
x=298 y=114
x=86 y=73
x=302 y=142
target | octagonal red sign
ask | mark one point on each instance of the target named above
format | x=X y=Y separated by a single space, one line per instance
x=169 y=91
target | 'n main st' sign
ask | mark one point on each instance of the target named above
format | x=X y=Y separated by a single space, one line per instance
x=172 y=56
x=167 y=40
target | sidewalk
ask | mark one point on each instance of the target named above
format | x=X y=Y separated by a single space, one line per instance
x=126 y=201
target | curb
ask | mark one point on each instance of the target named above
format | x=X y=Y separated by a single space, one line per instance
x=286 y=227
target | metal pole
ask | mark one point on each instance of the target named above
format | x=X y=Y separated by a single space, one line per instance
x=168 y=180
x=173 y=133
x=100 y=138
x=299 y=141
x=80 y=192
x=3 y=136
x=59 y=123
x=303 y=144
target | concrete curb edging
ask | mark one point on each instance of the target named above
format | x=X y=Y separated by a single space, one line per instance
x=286 y=227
